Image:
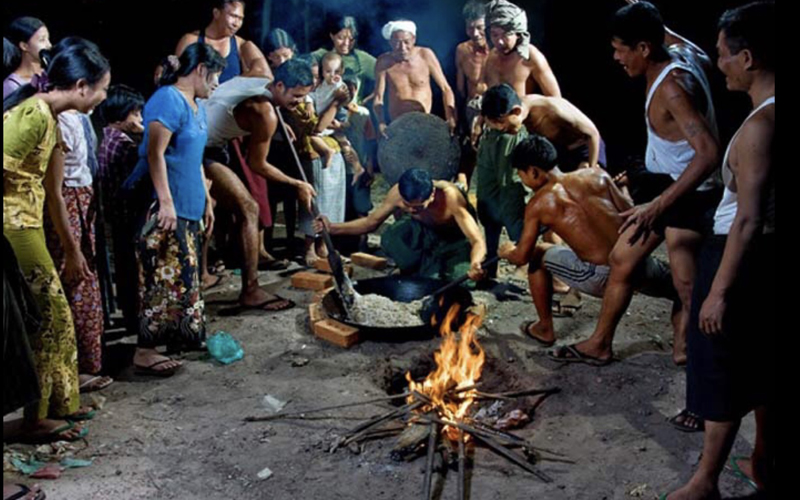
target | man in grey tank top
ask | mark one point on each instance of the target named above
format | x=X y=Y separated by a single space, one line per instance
x=681 y=120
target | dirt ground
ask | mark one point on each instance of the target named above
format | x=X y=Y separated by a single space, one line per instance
x=185 y=437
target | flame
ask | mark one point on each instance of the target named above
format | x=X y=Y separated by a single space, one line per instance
x=459 y=363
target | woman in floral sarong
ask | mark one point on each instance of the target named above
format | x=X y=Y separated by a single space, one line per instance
x=171 y=308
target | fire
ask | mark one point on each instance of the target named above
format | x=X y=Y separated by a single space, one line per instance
x=459 y=363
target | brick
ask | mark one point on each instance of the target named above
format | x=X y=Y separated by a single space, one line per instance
x=325 y=266
x=312 y=281
x=319 y=296
x=336 y=333
x=370 y=261
x=316 y=313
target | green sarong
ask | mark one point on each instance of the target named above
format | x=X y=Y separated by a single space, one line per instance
x=421 y=250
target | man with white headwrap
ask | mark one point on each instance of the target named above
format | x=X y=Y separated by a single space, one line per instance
x=514 y=60
x=406 y=73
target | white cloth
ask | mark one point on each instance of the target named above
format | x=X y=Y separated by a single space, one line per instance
x=726 y=212
x=322 y=96
x=77 y=172
x=392 y=26
x=667 y=157
x=331 y=186
x=222 y=126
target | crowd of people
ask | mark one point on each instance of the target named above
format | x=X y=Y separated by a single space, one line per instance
x=114 y=201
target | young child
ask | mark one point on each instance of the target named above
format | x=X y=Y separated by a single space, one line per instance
x=330 y=71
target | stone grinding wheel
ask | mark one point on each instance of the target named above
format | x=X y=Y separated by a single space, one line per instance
x=419 y=140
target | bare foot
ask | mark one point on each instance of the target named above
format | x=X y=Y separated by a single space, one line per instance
x=559 y=286
x=151 y=359
x=210 y=281
x=679 y=353
x=696 y=490
x=590 y=348
x=327 y=155
x=311 y=256
x=322 y=250
x=540 y=331
x=40 y=431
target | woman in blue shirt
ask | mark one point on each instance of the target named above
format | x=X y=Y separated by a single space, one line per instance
x=171 y=309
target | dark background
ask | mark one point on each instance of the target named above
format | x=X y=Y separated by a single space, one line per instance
x=573 y=35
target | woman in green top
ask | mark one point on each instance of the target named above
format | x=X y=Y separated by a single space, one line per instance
x=343 y=31
x=77 y=78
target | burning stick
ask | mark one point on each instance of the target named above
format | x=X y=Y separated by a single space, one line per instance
x=433 y=440
x=328 y=408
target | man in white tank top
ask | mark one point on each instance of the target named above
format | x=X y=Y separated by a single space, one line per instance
x=246 y=107
x=682 y=143
x=733 y=333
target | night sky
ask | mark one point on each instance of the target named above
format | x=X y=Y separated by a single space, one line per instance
x=572 y=34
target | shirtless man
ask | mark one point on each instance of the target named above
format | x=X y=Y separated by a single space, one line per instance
x=246 y=107
x=446 y=242
x=513 y=59
x=470 y=58
x=585 y=209
x=244 y=57
x=682 y=143
x=406 y=73
x=572 y=133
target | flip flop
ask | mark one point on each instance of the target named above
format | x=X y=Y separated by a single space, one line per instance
x=681 y=426
x=25 y=491
x=571 y=354
x=87 y=387
x=152 y=372
x=733 y=467
x=55 y=435
x=525 y=329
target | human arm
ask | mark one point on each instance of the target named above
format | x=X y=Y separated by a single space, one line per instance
x=254 y=61
x=470 y=228
x=543 y=74
x=448 y=96
x=363 y=225
x=380 y=91
x=520 y=253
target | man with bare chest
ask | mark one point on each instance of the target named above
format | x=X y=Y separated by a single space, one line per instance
x=585 y=209
x=513 y=59
x=470 y=59
x=437 y=236
x=406 y=74
x=574 y=135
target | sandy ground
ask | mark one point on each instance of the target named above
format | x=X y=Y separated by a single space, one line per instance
x=185 y=438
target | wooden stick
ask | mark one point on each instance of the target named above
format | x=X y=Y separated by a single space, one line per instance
x=493 y=445
x=279 y=416
x=462 y=458
x=433 y=439
x=359 y=431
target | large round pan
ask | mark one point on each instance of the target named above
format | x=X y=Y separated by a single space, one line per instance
x=402 y=289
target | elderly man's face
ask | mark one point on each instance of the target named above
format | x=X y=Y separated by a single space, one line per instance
x=505 y=41
x=403 y=43
x=476 y=31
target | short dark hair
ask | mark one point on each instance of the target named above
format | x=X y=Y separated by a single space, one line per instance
x=11 y=57
x=499 y=101
x=279 y=39
x=751 y=27
x=535 y=151
x=22 y=29
x=47 y=55
x=641 y=22
x=415 y=184
x=294 y=73
x=474 y=10
x=122 y=100
x=220 y=4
